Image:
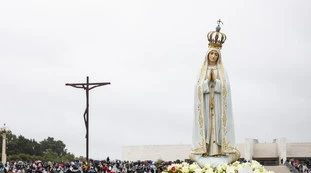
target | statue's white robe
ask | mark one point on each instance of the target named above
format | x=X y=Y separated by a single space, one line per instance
x=224 y=125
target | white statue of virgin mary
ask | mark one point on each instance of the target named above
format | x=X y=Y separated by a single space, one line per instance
x=213 y=129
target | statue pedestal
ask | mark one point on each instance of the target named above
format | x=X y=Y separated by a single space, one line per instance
x=213 y=161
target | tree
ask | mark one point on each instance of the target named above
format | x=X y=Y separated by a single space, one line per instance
x=21 y=148
x=49 y=155
x=12 y=145
x=55 y=146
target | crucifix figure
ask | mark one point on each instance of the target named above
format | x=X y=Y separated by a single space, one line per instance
x=87 y=87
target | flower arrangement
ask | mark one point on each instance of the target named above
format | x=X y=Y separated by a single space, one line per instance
x=235 y=167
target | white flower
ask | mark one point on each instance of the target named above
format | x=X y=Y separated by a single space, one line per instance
x=185 y=164
x=207 y=165
x=224 y=166
x=185 y=169
x=193 y=167
x=209 y=170
x=198 y=170
x=255 y=165
x=177 y=166
x=221 y=168
x=247 y=164
x=230 y=169
x=238 y=166
x=236 y=163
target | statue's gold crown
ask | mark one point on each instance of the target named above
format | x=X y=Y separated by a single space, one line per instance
x=216 y=38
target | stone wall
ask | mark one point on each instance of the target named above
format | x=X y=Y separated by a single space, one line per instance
x=155 y=152
x=298 y=150
x=253 y=150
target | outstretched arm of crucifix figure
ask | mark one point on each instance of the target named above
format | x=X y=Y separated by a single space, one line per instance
x=98 y=84
x=76 y=85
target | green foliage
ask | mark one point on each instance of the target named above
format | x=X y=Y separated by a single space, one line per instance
x=50 y=155
x=24 y=157
x=21 y=148
x=68 y=157
x=56 y=146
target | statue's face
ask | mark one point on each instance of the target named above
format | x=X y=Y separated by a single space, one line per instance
x=213 y=57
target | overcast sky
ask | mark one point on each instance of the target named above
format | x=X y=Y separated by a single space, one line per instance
x=151 y=52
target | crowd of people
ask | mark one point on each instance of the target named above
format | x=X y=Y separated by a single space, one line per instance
x=300 y=166
x=111 y=166
x=93 y=166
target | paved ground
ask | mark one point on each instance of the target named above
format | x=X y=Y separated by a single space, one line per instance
x=278 y=169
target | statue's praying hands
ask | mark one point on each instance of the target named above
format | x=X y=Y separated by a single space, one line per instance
x=211 y=75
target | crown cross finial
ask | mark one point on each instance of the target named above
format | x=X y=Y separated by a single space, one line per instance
x=218 y=26
x=219 y=21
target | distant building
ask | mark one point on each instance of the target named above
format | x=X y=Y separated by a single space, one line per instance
x=274 y=153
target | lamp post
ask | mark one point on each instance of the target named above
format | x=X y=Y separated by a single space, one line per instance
x=3 y=131
x=87 y=87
